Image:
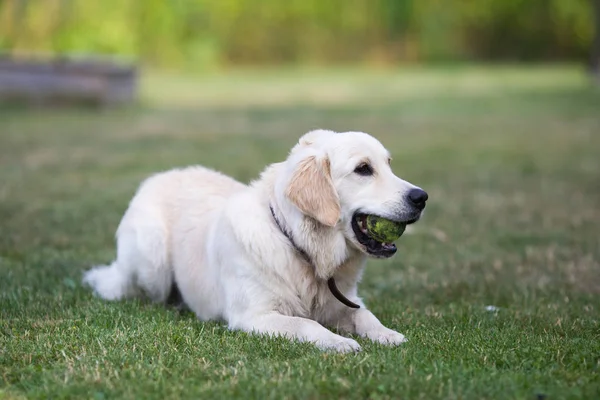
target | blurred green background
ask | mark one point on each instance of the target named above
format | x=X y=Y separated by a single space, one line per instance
x=215 y=34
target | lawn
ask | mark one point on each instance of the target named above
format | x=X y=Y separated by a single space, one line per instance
x=510 y=157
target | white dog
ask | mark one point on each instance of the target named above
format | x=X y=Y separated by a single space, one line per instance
x=262 y=256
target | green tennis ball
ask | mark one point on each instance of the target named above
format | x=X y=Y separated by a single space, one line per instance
x=383 y=230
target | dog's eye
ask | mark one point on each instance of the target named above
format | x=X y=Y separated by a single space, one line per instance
x=363 y=169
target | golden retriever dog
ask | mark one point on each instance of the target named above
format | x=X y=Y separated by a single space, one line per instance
x=280 y=256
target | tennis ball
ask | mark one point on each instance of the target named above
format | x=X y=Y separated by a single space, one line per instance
x=383 y=230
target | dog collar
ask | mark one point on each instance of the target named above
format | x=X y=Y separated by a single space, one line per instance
x=330 y=282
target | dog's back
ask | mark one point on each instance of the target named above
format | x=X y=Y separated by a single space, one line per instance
x=145 y=233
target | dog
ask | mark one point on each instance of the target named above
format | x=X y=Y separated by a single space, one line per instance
x=281 y=256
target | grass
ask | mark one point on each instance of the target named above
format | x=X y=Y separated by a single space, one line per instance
x=510 y=157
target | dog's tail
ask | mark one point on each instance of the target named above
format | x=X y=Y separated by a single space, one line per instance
x=110 y=282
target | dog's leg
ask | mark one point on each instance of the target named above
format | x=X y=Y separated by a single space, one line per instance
x=362 y=322
x=302 y=329
x=141 y=262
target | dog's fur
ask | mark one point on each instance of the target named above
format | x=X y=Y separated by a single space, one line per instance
x=218 y=241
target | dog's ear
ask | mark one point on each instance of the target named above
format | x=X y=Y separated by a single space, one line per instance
x=311 y=190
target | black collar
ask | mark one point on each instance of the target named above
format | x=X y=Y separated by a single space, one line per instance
x=330 y=282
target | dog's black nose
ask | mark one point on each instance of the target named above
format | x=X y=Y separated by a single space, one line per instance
x=418 y=197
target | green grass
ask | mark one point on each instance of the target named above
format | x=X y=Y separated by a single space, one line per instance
x=510 y=158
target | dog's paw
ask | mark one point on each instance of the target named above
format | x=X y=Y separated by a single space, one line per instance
x=386 y=336
x=339 y=344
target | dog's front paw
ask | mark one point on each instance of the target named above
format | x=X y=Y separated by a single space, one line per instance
x=386 y=336
x=339 y=344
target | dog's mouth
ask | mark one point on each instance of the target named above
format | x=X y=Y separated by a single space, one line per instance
x=372 y=246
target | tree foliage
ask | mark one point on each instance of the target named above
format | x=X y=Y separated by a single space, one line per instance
x=208 y=32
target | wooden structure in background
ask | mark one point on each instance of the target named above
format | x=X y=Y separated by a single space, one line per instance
x=66 y=81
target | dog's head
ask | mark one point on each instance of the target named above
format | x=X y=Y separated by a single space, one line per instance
x=340 y=178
